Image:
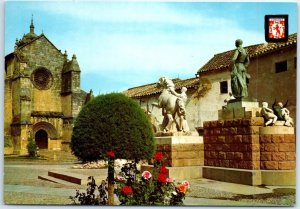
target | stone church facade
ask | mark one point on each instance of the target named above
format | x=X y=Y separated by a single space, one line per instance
x=42 y=94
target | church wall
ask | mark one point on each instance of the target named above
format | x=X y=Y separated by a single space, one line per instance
x=16 y=111
x=10 y=66
x=77 y=103
x=75 y=81
x=7 y=107
x=41 y=53
x=65 y=105
x=46 y=100
x=8 y=96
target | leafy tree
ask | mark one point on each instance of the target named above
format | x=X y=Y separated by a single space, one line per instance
x=112 y=123
x=32 y=148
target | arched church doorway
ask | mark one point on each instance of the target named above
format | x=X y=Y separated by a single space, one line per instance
x=41 y=139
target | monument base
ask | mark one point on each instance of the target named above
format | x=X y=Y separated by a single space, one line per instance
x=180 y=150
x=251 y=177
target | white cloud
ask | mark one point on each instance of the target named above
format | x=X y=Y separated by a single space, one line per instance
x=130 y=12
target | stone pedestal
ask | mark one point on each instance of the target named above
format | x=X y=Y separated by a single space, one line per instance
x=184 y=153
x=239 y=149
x=181 y=150
x=239 y=109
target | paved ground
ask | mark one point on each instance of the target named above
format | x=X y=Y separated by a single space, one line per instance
x=21 y=186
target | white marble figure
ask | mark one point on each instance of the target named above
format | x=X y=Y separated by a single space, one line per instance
x=288 y=121
x=170 y=102
x=268 y=114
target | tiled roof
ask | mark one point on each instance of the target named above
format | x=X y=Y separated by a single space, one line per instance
x=223 y=60
x=151 y=89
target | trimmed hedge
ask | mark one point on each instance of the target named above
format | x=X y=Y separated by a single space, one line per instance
x=112 y=122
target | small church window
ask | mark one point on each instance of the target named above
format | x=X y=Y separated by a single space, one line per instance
x=223 y=87
x=281 y=67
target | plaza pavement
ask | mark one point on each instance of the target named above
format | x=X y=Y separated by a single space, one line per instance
x=25 y=180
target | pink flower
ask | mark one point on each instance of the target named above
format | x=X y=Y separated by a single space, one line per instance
x=163 y=170
x=186 y=183
x=110 y=154
x=169 y=180
x=146 y=175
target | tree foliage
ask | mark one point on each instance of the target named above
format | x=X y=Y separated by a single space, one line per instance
x=32 y=148
x=112 y=122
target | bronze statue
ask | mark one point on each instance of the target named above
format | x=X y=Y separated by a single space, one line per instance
x=239 y=76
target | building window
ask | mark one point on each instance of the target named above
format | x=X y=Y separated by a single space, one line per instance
x=223 y=87
x=280 y=67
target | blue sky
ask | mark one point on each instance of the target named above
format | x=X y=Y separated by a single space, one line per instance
x=122 y=45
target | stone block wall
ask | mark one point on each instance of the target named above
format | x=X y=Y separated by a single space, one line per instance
x=277 y=151
x=178 y=155
x=245 y=144
x=232 y=143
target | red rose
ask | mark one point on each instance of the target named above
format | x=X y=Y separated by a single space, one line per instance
x=162 y=178
x=163 y=170
x=127 y=190
x=158 y=156
x=110 y=154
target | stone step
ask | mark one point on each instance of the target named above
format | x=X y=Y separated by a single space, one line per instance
x=54 y=180
x=74 y=178
x=70 y=177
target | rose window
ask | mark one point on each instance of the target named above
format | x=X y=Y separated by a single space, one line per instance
x=42 y=78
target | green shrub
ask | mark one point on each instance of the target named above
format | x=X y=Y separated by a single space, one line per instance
x=32 y=148
x=7 y=141
x=112 y=122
